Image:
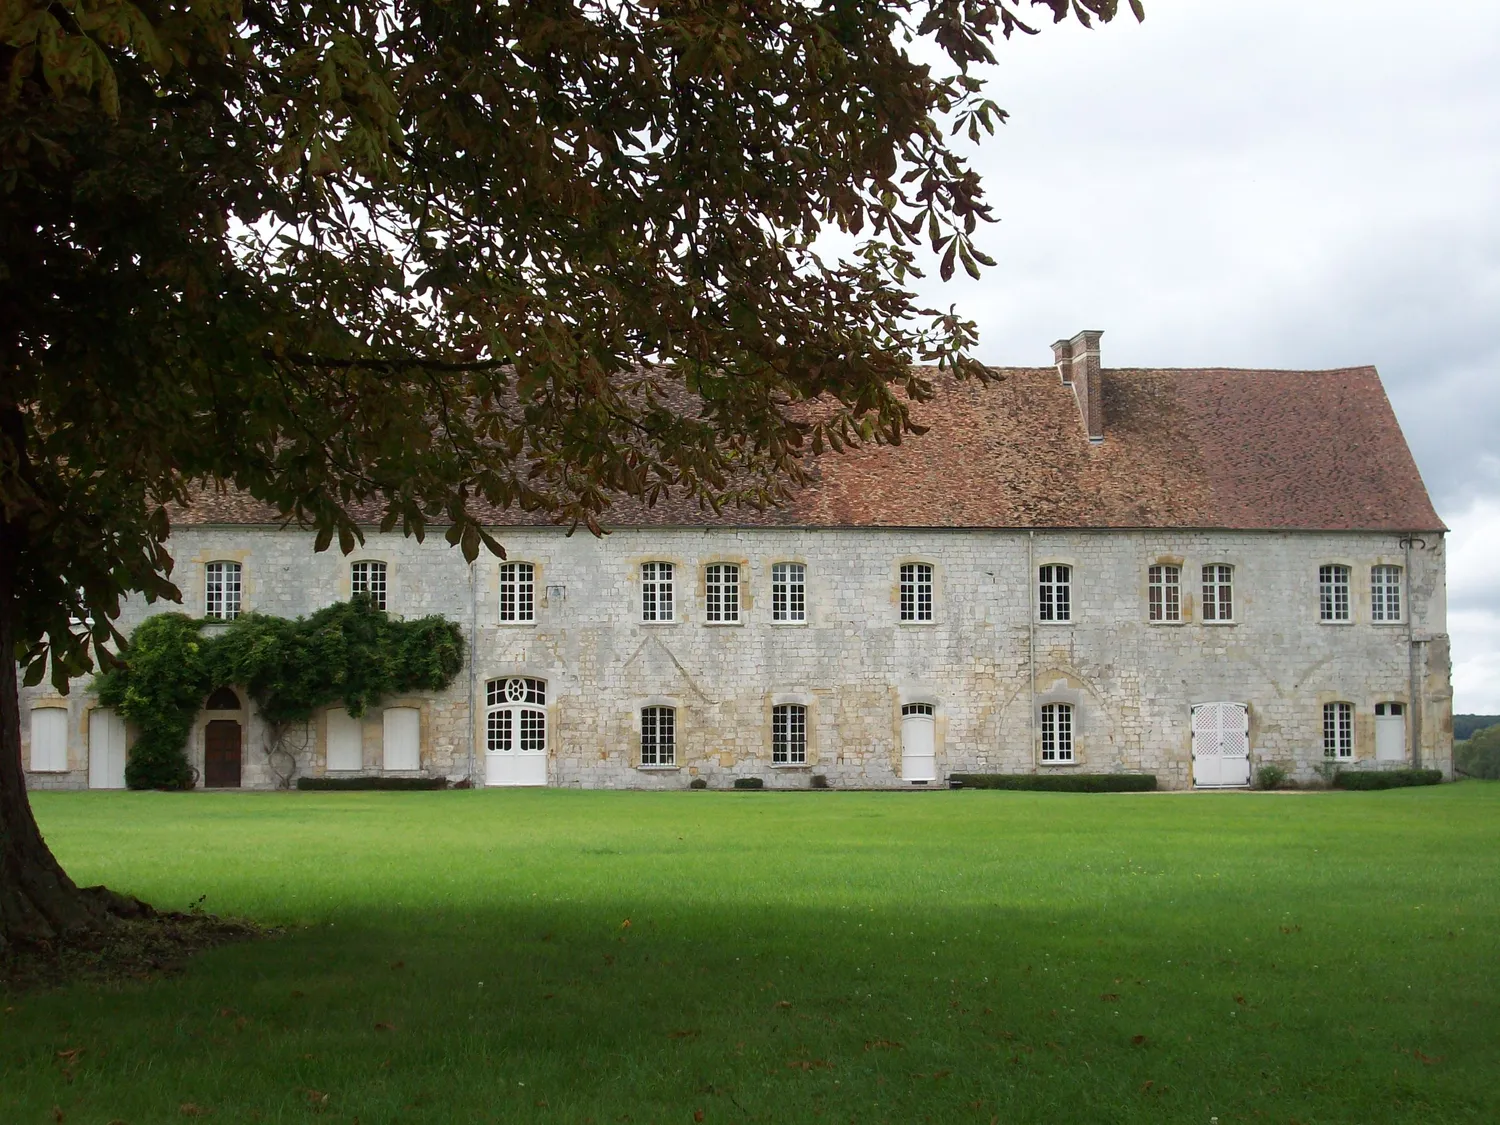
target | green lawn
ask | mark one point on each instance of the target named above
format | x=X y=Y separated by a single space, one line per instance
x=945 y=957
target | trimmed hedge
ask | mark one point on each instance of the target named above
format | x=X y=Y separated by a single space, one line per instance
x=1057 y=782
x=749 y=783
x=1385 y=779
x=372 y=783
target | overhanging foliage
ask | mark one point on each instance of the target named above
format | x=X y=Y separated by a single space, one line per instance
x=349 y=653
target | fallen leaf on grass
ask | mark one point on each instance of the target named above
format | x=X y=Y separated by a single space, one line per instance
x=625 y=925
x=809 y=1064
x=683 y=1034
x=1240 y=999
x=1146 y=1085
x=71 y=1054
x=192 y=1109
x=782 y=1004
x=883 y=1045
x=385 y=1027
x=1109 y=997
x=697 y=1115
x=57 y=1113
x=1427 y=1060
x=398 y=964
x=1291 y=929
x=317 y=1099
x=1139 y=1040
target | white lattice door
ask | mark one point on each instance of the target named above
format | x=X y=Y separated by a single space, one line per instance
x=1221 y=745
x=516 y=732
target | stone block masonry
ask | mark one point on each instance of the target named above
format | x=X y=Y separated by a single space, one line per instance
x=985 y=663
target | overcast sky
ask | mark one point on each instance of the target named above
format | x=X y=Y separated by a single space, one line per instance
x=1272 y=183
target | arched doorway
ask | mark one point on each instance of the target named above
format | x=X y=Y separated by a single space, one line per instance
x=222 y=743
x=515 y=732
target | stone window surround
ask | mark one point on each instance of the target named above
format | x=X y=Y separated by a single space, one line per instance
x=1402 y=587
x=937 y=589
x=744 y=603
x=1182 y=604
x=638 y=706
x=1060 y=692
x=538 y=591
x=679 y=608
x=1235 y=600
x=804 y=699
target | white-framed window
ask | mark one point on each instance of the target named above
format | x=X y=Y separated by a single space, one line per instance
x=916 y=591
x=514 y=720
x=658 y=736
x=1385 y=593
x=1338 y=730
x=1218 y=592
x=49 y=739
x=1333 y=592
x=517 y=593
x=721 y=588
x=368 y=577
x=221 y=590
x=1164 y=592
x=1054 y=592
x=656 y=591
x=788 y=592
x=788 y=734
x=1057 y=732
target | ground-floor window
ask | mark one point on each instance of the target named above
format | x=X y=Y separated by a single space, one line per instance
x=1057 y=732
x=1338 y=730
x=788 y=734
x=658 y=736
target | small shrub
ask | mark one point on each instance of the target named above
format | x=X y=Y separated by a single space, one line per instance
x=1058 y=782
x=1270 y=777
x=325 y=783
x=749 y=783
x=1385 y=779
x=820 y=781
x=698 y=783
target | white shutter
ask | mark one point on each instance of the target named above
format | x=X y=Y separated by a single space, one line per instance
x=106 y=749
x=345 y=744
x=49 y=740
x=403 y=734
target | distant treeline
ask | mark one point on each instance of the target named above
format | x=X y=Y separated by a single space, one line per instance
x=1465 y=725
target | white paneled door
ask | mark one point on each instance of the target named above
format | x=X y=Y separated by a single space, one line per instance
x=403 y=738
x=345 y=741
x=1390 y=732
x=106 y=749
x=918 y=743
x=1221 y=745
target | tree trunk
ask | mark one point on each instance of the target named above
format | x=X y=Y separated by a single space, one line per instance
x=39 y=904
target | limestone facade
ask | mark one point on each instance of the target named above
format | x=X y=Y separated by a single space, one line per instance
x=985 y=663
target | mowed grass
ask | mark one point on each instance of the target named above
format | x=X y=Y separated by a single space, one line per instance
x=944 y=957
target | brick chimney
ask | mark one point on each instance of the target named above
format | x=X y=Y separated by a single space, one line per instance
x=1078 y=364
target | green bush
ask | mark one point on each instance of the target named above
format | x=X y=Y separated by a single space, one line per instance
x=1385 y=779
x=324 y=783
x=1270 y=777
x=749 y=783
x=1058 y=782
x=820 y=781
x=1480 y=756
x=698 y=783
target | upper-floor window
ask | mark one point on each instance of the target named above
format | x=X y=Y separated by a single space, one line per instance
x=221 y=594
x=1333 y=592
x=368 y=578
x=658 y=736
x=789 y=734
x=517 y=592
x=1057 y=732
x=1055 y=593
x=1338 y=730
x=1164 y=592
x=1385 y=593
x=656 y=591
x=1218 y=592
x=788 y=592
x=916 y=591
x=721 y=586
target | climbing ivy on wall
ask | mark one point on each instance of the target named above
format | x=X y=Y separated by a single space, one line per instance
x=349 y=653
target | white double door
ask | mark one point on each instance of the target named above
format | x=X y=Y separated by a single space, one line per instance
x=1221 y=745
x=106 y=750
x=918 y=743
x=515 y=746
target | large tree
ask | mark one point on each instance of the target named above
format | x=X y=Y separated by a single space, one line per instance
x=437 y=255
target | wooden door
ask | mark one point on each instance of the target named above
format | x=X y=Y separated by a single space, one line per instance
x=918 y=744
x=221 y=754
x=1390 y=732
x=1221 y=745
x=106 y=750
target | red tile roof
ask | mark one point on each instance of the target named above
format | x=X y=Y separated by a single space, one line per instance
x=1206 y=448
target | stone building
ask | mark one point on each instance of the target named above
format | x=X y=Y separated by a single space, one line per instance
x=1181 y=572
